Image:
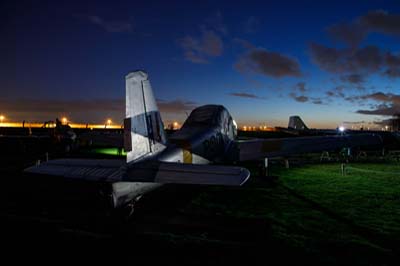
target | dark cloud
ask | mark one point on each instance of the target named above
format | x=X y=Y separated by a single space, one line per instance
x=330 y=93
x=387 y=104
x=385 y=110
x=336 y=92
x=299 y=98
x=301 y=86
x=317 y=101
x=110 y=26
x=381 y=21
x=268 y=63
x=299 y=94
x=327 y=58
x=199 y=49
x=354 y=32
x=351 y=34
x=360 y=60
x=353 y=78
x=366 y=59
x=393 y=63
x=383 y=97
x=392 y=72
x=245 y=95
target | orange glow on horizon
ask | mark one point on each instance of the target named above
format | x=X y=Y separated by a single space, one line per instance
x=74 y=125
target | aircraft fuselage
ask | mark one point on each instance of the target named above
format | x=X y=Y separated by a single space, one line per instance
x=204 y=138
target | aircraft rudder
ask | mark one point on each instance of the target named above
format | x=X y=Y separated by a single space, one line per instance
x=295 y=122
x=144 y=129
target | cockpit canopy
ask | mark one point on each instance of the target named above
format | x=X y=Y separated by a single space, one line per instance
x=211 y=115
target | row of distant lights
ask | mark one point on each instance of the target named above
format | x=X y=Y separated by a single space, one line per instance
x=176 y=125
x=250 y=128
x=64 y=120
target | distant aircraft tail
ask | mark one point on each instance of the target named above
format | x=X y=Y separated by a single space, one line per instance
x=144 y=129
x=295 y=122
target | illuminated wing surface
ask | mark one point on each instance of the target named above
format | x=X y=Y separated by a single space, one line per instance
x=179 y=173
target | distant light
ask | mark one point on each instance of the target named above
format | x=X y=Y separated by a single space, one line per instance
x=109 y=121
x=175 y=125
x=64 y=120
x=342 y=129
x=2 y=118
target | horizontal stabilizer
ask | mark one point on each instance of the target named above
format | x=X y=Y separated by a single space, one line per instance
x=149 y=171
x=178 y=173
x=81 y=169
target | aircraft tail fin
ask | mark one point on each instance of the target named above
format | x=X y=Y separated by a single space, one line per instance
x=143 y=127
x=295 y=122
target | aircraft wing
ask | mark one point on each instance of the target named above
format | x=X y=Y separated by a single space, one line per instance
x=147 y=171
x=81 y=169
x=269 y=148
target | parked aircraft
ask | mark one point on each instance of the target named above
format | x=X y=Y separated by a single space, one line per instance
x=191 y=155
x=296 y=126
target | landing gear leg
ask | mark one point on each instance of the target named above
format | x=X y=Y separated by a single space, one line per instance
x=127 y=211
x=131 y=206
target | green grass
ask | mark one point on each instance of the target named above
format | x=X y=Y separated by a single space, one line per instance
x=368 y=193
x=317 y=210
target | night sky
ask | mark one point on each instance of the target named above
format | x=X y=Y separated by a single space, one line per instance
x=328 y=61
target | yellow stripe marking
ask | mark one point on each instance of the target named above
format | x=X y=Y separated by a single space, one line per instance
x=187 y=156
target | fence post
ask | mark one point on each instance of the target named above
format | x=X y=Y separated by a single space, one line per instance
x=266 y=171
x=287 y=163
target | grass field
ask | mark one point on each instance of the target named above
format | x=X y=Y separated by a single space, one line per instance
x=314 y=214
x=316 y=211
